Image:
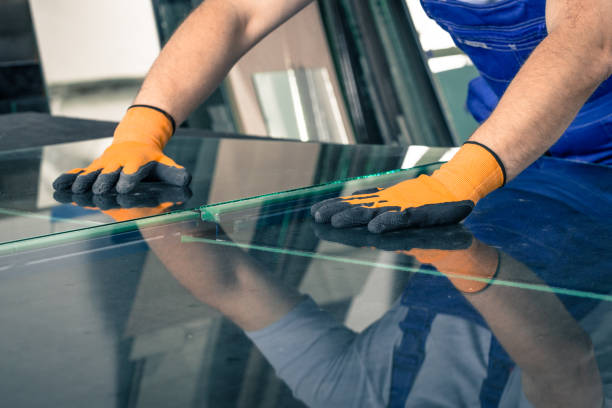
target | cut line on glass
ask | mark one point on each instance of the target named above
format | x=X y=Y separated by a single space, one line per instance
x=489 y=281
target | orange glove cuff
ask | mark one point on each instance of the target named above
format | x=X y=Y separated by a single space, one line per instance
x=473 y=173
x=145 y=124
x=470 y=270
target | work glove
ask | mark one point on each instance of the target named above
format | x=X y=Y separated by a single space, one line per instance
x=145 y=201
x=135 y=154
x=445 y=197
x=469 y=264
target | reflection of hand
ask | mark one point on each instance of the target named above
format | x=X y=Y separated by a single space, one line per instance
x=556 y=355
x=135 y=154
x=146 y=201
x=445 y=197
x=468 y=263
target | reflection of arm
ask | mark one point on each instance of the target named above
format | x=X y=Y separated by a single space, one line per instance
x=327 y=365
x=321 y=360
x=223 y=277
x=554 y=353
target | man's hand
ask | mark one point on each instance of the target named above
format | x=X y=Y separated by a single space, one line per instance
x=445 y=197
x=135 y=154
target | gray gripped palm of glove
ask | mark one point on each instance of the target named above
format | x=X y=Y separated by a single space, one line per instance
x=135 y=155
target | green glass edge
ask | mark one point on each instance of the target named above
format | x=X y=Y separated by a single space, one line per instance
x=211 y=212
x=13 y=247
x=489 y=281
x=206 y=213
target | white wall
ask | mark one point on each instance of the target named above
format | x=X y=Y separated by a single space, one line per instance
x=89 y=40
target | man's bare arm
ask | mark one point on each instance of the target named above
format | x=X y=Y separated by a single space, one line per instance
x=205 y=47
x=557 y=79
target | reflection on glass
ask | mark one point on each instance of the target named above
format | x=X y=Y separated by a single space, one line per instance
x=530 y=342
x=301 y=104
x=520 y=323
x=514 y=307
x=451 y=71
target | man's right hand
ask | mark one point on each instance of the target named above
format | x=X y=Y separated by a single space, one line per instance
x=135 y=154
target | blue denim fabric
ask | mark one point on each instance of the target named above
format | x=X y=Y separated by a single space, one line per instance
x=499 y=38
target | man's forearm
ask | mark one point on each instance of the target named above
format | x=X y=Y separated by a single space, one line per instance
x=194 y=61
x=547 y=93
x=205 y=47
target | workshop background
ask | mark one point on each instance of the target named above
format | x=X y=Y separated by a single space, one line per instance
x=349 y=71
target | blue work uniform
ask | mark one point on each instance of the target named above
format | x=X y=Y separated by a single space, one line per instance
x=499 y=37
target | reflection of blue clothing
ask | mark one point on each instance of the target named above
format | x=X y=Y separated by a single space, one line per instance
x=563 y=212
x=499 y=38
x=426 y=296
x=327 y=365
x=555 y=217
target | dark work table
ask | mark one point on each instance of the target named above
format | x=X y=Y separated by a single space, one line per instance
x=235 y=297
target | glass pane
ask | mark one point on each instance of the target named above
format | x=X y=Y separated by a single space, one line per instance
x=222 y=169
x=300 y=104
x=276 y=222
x=265 y=308
x=423 y=118
x=288 y=83
x=451 y=71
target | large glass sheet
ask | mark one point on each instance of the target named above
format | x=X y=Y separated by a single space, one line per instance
x=267 y=223
x=250 y=303
x=223 y=169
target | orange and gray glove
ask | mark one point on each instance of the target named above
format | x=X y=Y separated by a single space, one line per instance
x=135 y=154
x=445 y=197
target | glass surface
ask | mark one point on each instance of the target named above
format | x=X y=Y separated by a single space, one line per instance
x=451 y=71
x=300 y=103
x=252 y=304
x=222 y=169
x=423 y=117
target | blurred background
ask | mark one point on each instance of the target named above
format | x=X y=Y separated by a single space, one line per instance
x=341 y=71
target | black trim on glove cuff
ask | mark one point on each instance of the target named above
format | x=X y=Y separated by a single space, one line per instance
x=166 y=114
x=495 y=156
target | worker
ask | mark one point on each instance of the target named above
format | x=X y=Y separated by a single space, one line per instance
x=544 y=86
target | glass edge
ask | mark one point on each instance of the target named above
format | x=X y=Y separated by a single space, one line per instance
x=14 y=247
x=211 y=211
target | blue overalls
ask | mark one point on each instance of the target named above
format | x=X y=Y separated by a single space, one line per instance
x=498 y=38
